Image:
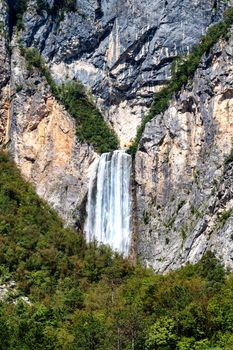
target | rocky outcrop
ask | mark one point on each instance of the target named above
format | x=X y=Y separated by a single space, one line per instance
x=121 y=50
x=184 y=171
x=11 y=295
x=43 y=143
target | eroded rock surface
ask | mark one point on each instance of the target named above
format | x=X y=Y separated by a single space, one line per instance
x=43 y=143
x=184 y=171
x=121 y=50
x=4 y=71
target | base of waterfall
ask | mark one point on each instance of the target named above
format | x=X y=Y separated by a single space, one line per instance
x=109 y=202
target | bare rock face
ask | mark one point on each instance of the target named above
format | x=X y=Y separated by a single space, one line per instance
x=184 y=171
x=39 y=133
x=4 y=44
x=121 y=50
x=43 y=143
x=4 y=71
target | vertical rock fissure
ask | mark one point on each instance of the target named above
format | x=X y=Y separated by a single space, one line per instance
x=11 y=18
x=109 y=202
x=16 y=8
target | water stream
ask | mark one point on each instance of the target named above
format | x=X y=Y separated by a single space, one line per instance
x=109 y=202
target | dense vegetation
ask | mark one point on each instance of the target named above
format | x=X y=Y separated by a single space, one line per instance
x=87 y=298
x=91 y=127
x=183 y=69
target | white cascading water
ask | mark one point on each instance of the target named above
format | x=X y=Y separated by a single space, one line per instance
x=109 y=202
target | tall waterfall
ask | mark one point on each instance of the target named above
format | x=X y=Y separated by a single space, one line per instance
x=109 y=202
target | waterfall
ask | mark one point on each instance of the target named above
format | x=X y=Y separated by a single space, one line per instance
x=109 y=202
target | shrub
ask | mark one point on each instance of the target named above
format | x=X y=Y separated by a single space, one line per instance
x=19 y=88
x=229 y=158
x=225 y=216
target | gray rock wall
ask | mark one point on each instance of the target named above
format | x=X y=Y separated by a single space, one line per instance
x=184 y=186
x=39 y=133
x=4 y=70
x=120 y=49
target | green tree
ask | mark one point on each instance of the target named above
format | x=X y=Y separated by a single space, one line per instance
x=162 y=335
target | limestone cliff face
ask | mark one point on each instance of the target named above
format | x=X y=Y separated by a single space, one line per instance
x=39 y=133
x=184 y=173
x=121 y=50
x=43 y=143
x=4 y=70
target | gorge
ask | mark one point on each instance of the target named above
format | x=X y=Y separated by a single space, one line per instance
x=180 y=178
x=116 y=174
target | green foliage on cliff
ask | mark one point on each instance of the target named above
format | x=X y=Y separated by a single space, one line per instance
x=35 y=60
x=183 y=70
x=58 y=9
x=17 y=11
x=229 y=158
x=87 y=298
x=91 y=127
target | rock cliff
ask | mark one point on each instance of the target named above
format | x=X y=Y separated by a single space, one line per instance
x=4 y=70
x=43 y=143
x=122 y=51
x=184 y=171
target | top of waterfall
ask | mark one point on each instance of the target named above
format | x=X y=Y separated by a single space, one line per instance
x=116 y=151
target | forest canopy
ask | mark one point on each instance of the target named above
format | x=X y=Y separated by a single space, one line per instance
x=85 y=297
